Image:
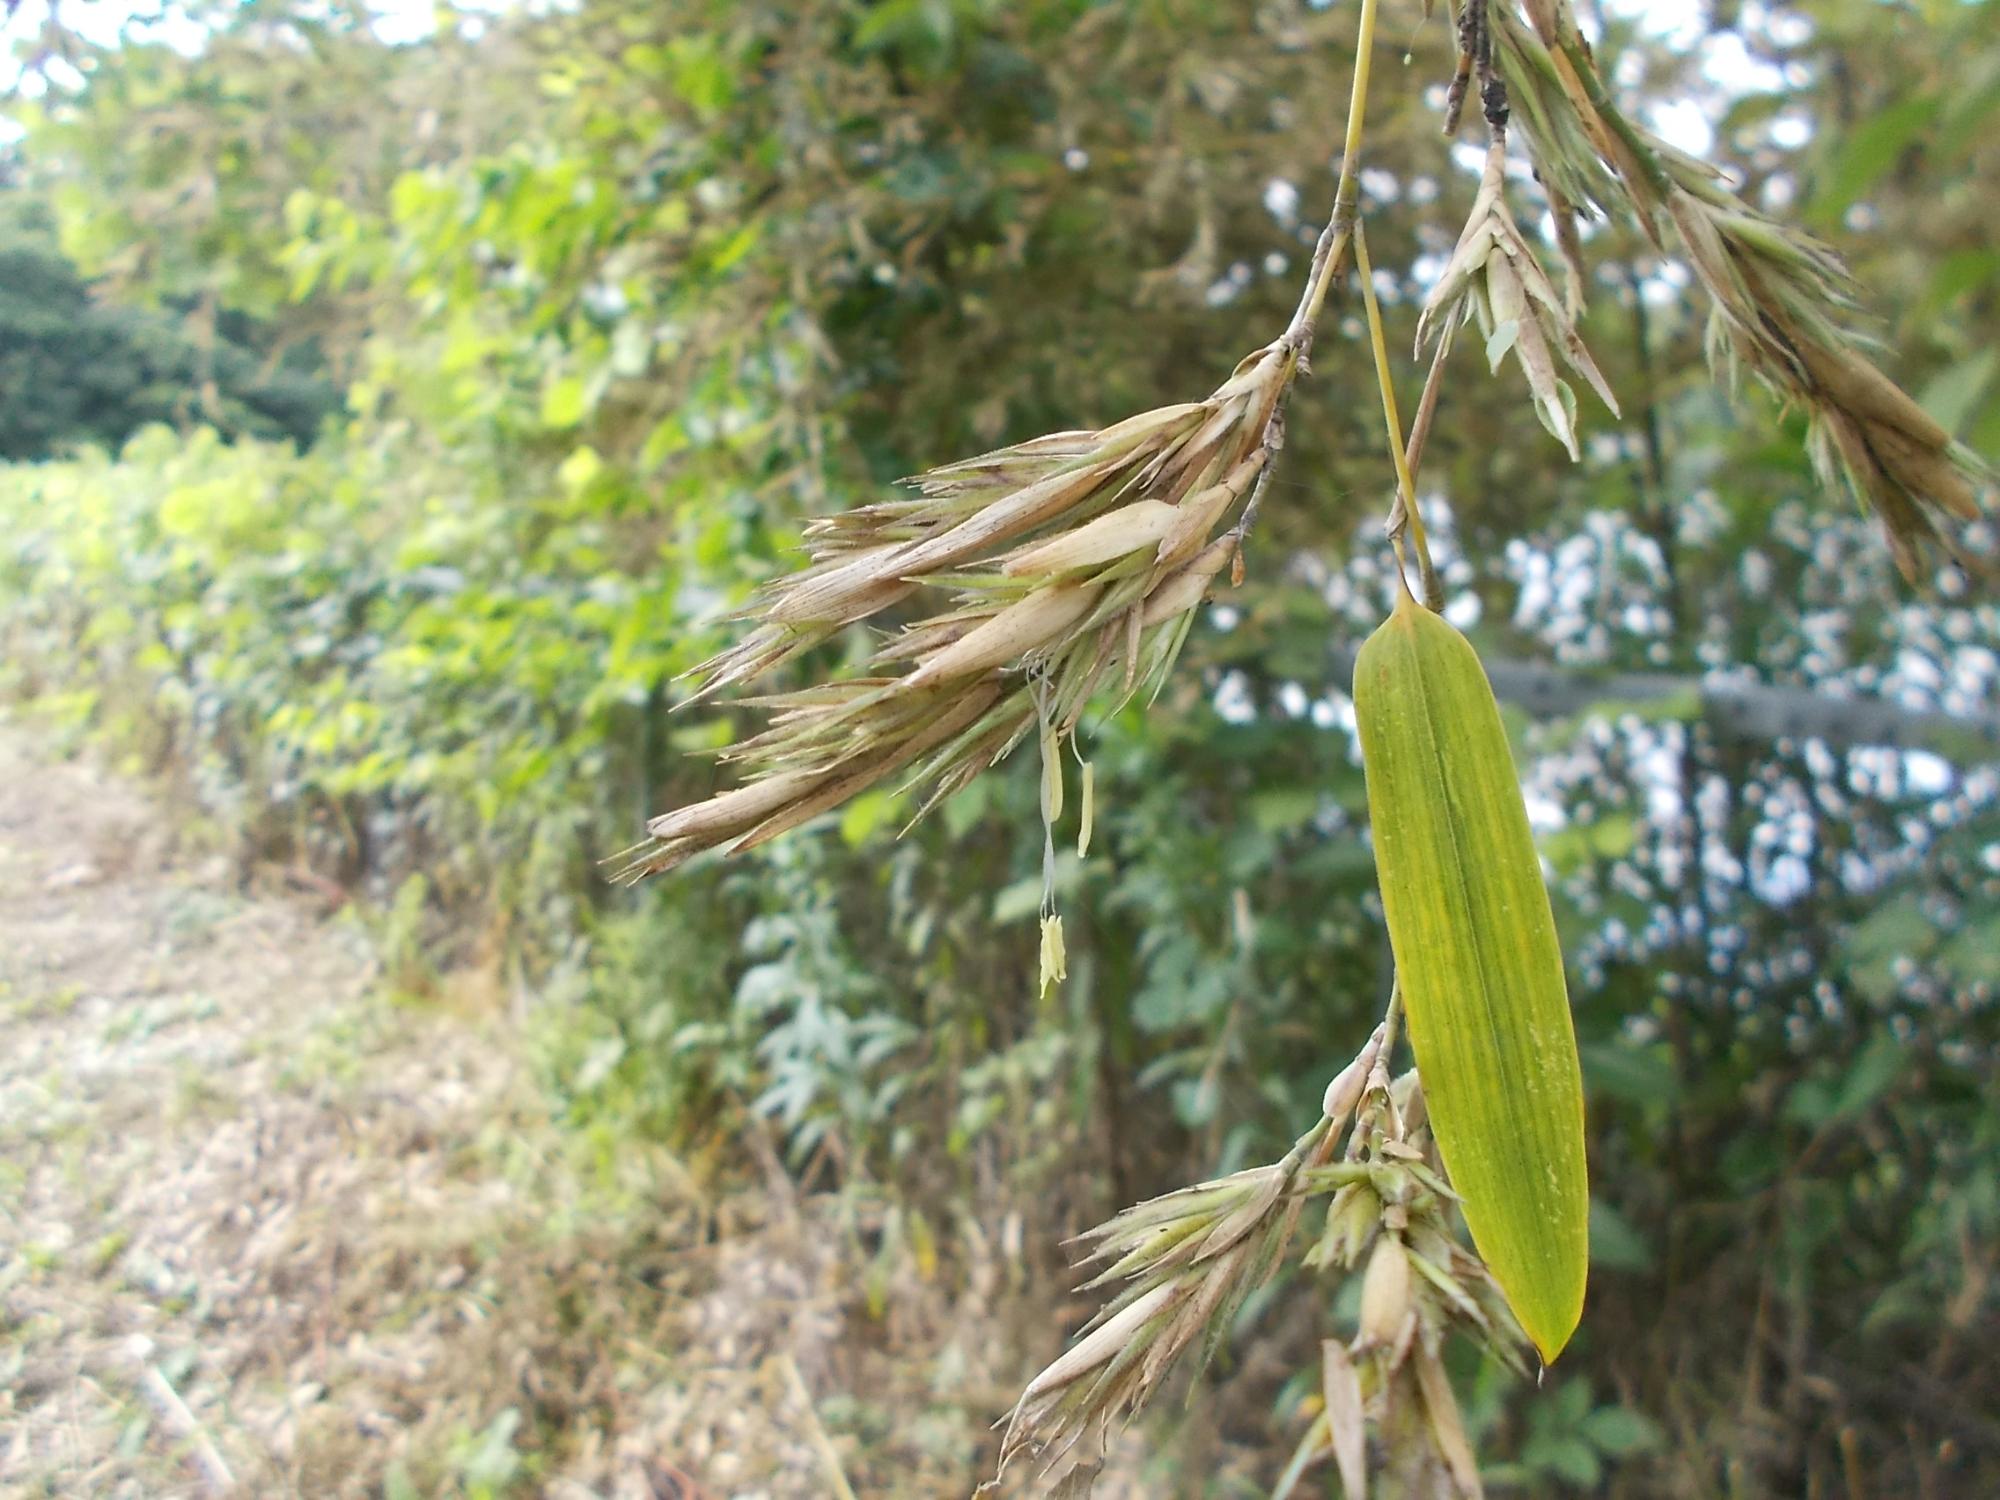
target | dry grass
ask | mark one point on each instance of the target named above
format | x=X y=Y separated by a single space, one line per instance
x=1184 y=1263
x=265 y=1233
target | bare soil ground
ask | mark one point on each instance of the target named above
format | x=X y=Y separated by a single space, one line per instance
x=263 y=1232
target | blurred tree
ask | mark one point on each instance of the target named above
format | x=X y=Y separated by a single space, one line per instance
x=74 y=369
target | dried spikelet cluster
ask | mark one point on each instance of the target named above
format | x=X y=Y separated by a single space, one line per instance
x=1391 y=1219
x=1495 y=279
x=1187 y=1261
x=1783 y=305
x=1076 y=561
x=1192 y=1257
x=1777 y=298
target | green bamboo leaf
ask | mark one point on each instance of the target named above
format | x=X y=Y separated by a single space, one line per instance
x=1476 y=954
x=1867 y=153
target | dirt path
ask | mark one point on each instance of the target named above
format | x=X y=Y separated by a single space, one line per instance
x=202 y=1119
x=266 y=1233
x=262 y=1233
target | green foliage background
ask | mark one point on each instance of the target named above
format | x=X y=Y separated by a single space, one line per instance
x=617 y=297
x=78 y=370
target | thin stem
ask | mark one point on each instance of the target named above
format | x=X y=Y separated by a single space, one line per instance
x=829 y=1456
x=1329 y=257
x=1475 y=60
x=1320 y=1147
x=1427 y=403
x=1461 y=78
x=1420 y=431
x=1357 y=108
x=1274 y=442
x=1330 y=254
x=1406 y=483
x=1311 y=1148
x=1391 y=1019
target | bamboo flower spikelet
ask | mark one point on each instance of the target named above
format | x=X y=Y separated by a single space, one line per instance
x=1781 y=303
x=1188 y=1259
x=1494 y=277
x=1076 y=562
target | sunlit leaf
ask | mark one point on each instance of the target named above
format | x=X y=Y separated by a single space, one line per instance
x=1478 y=962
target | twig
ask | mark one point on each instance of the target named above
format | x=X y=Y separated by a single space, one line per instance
x=1427 y=403
x=1454 y=98
x=188 y=1427
x=822 y=1444
x=1274 y=442
x=1475 y=60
